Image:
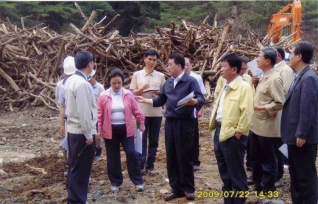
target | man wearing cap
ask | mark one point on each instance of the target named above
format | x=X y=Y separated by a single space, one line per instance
x=81 y=124
x=69 y=69
x=97 y=89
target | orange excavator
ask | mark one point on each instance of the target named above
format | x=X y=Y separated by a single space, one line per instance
x=282 y=19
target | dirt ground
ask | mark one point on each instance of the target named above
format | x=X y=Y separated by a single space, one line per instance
x=32 y=166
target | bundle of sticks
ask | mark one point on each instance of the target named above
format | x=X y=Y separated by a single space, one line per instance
x=31 y=58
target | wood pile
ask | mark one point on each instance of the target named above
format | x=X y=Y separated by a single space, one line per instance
x=31 y=58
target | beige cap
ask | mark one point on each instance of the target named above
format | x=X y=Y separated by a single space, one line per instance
x=69 y=65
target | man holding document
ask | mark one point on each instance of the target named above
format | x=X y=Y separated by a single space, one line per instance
x=146 y=83
x=179 y=126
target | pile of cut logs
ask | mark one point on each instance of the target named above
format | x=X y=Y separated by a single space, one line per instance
x=31 y=58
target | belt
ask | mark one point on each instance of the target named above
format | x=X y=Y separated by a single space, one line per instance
x=219 y=123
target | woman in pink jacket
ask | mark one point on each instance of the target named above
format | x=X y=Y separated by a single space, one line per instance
x=115 y=108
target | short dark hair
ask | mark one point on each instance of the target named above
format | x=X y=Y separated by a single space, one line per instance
x=270 y=53
x=82 y=58
x=115 y=72
x=233 y=60
x=280 y=50
x=151 y=53
x=306 y=50
x=178 y=59
x=244 y=59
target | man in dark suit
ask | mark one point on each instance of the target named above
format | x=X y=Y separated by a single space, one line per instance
x=179 y=126
x=299 y=126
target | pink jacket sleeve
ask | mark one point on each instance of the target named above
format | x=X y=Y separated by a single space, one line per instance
x=100 y=112
x=140 y=118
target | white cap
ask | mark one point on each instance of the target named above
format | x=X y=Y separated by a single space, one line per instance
x=69 y=65
x=91 y=75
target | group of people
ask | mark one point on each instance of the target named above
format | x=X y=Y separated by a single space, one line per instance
x=249 y=115
x=88 y=114
x=282 y=109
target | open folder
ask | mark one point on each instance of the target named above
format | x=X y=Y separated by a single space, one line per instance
x=138 y=143
x=151 y=90
x=186 y=99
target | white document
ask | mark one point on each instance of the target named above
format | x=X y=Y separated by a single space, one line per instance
x=284 y=150
x=252 y=65
x=186 y=99
x=64 y=143
x=138 y=143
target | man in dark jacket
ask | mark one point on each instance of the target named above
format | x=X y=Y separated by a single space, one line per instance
x=299 y=126
x=179 y=126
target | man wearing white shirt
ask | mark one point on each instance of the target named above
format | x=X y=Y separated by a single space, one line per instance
x=197 y=114
x=81 y=125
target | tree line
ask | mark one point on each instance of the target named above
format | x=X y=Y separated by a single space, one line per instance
x=144 y=16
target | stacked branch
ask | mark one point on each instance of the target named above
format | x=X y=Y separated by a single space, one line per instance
x=31 y=58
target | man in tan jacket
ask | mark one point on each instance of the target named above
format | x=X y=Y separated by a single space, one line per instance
x=265 y=127
x=284 y=71
x=287 y=75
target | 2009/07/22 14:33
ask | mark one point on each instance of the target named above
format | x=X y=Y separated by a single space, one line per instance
x=236 y=194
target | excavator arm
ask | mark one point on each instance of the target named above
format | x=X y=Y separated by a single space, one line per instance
x=281 y=19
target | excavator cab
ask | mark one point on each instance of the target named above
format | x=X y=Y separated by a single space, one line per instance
x=281 y=20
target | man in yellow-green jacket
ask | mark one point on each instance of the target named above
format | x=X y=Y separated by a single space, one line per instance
x=231 y=117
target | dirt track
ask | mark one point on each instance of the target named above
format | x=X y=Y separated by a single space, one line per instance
x=32 y=166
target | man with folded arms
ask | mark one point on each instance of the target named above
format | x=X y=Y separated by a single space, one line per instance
x=265 y=127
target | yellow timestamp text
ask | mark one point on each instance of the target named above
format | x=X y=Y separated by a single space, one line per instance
x=236 y=194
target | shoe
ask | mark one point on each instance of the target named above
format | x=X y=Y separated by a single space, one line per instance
x=172 y=196
x=150 y=171
x=250 y=180
x=249 y=169
x=140 y=188
x=189 y=196
x=286 y=166
x=279 y=183
x=144 y=172
x=196 y=168
x=115 y=188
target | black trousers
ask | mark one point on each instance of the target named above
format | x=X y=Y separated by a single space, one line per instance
x=80 y=160
x=280 y=160
x=179 y=142
x=152 y=131
x=264 y=162
x=196 y=145
x=230 y=158
x=248 y=151
x=303 y=173
x=113 y=157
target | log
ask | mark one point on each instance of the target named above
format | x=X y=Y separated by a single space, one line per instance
x=11 y=82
